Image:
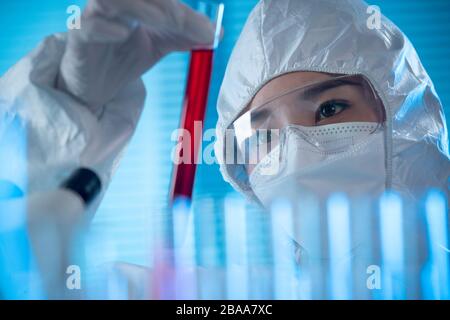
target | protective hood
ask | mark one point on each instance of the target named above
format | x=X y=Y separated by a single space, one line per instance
x=333 y=36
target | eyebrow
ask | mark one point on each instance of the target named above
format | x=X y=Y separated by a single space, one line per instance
x=314 y=91
x=321 y=88
x=259 y=115
x=256 y=116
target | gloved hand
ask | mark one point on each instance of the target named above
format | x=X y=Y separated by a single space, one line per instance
x=88 y=119
x=121 y=39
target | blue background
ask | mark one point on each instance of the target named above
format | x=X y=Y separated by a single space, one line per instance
x=139 y=189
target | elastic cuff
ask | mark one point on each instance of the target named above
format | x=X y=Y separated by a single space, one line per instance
x=85 y=183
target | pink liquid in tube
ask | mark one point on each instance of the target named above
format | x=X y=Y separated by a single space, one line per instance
x=194 y=110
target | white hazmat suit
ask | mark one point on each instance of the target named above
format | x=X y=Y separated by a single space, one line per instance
x=78 y=98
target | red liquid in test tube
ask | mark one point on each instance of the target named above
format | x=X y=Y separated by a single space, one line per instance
x=194 y=110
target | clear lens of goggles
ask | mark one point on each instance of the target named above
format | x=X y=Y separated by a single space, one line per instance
x=339 y=100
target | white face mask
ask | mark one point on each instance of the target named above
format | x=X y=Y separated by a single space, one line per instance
x=345 y=157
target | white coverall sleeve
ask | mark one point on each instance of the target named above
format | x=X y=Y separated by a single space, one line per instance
x=46 y=133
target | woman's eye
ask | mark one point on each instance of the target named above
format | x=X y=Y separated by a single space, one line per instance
x=330 y=109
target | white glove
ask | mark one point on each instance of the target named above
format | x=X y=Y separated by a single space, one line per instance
x=46 y=133
x=99 y=66
x=119 y=40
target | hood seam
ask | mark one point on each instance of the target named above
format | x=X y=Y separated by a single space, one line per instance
x=263 y=48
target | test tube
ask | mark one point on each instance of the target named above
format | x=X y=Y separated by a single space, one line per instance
x=184 y=251
x=284 y=266
x=310 y=242
x=209 y=243
x=236 y=248
x=365 y=266
x=437 y=274
x=339 y=245
x=392 y=246
x=194 y=106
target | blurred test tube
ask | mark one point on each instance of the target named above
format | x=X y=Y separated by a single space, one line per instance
x=392 y=246
x=184 y=250
x=259 y=253
x=339 y=245
x=365 y=268
x=309 y=254
x=414 y=247
x=436 y=279
x=209 y=248
x=284 y=264
x=162 y=283
x=236 y=248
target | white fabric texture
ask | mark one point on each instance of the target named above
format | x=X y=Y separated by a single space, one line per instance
x=120 y=40
x=282 y=36
x=60 y=133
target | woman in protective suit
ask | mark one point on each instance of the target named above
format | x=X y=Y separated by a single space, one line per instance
x=312 y=101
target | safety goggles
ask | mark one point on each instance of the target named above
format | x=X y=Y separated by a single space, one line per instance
x=341 y=99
